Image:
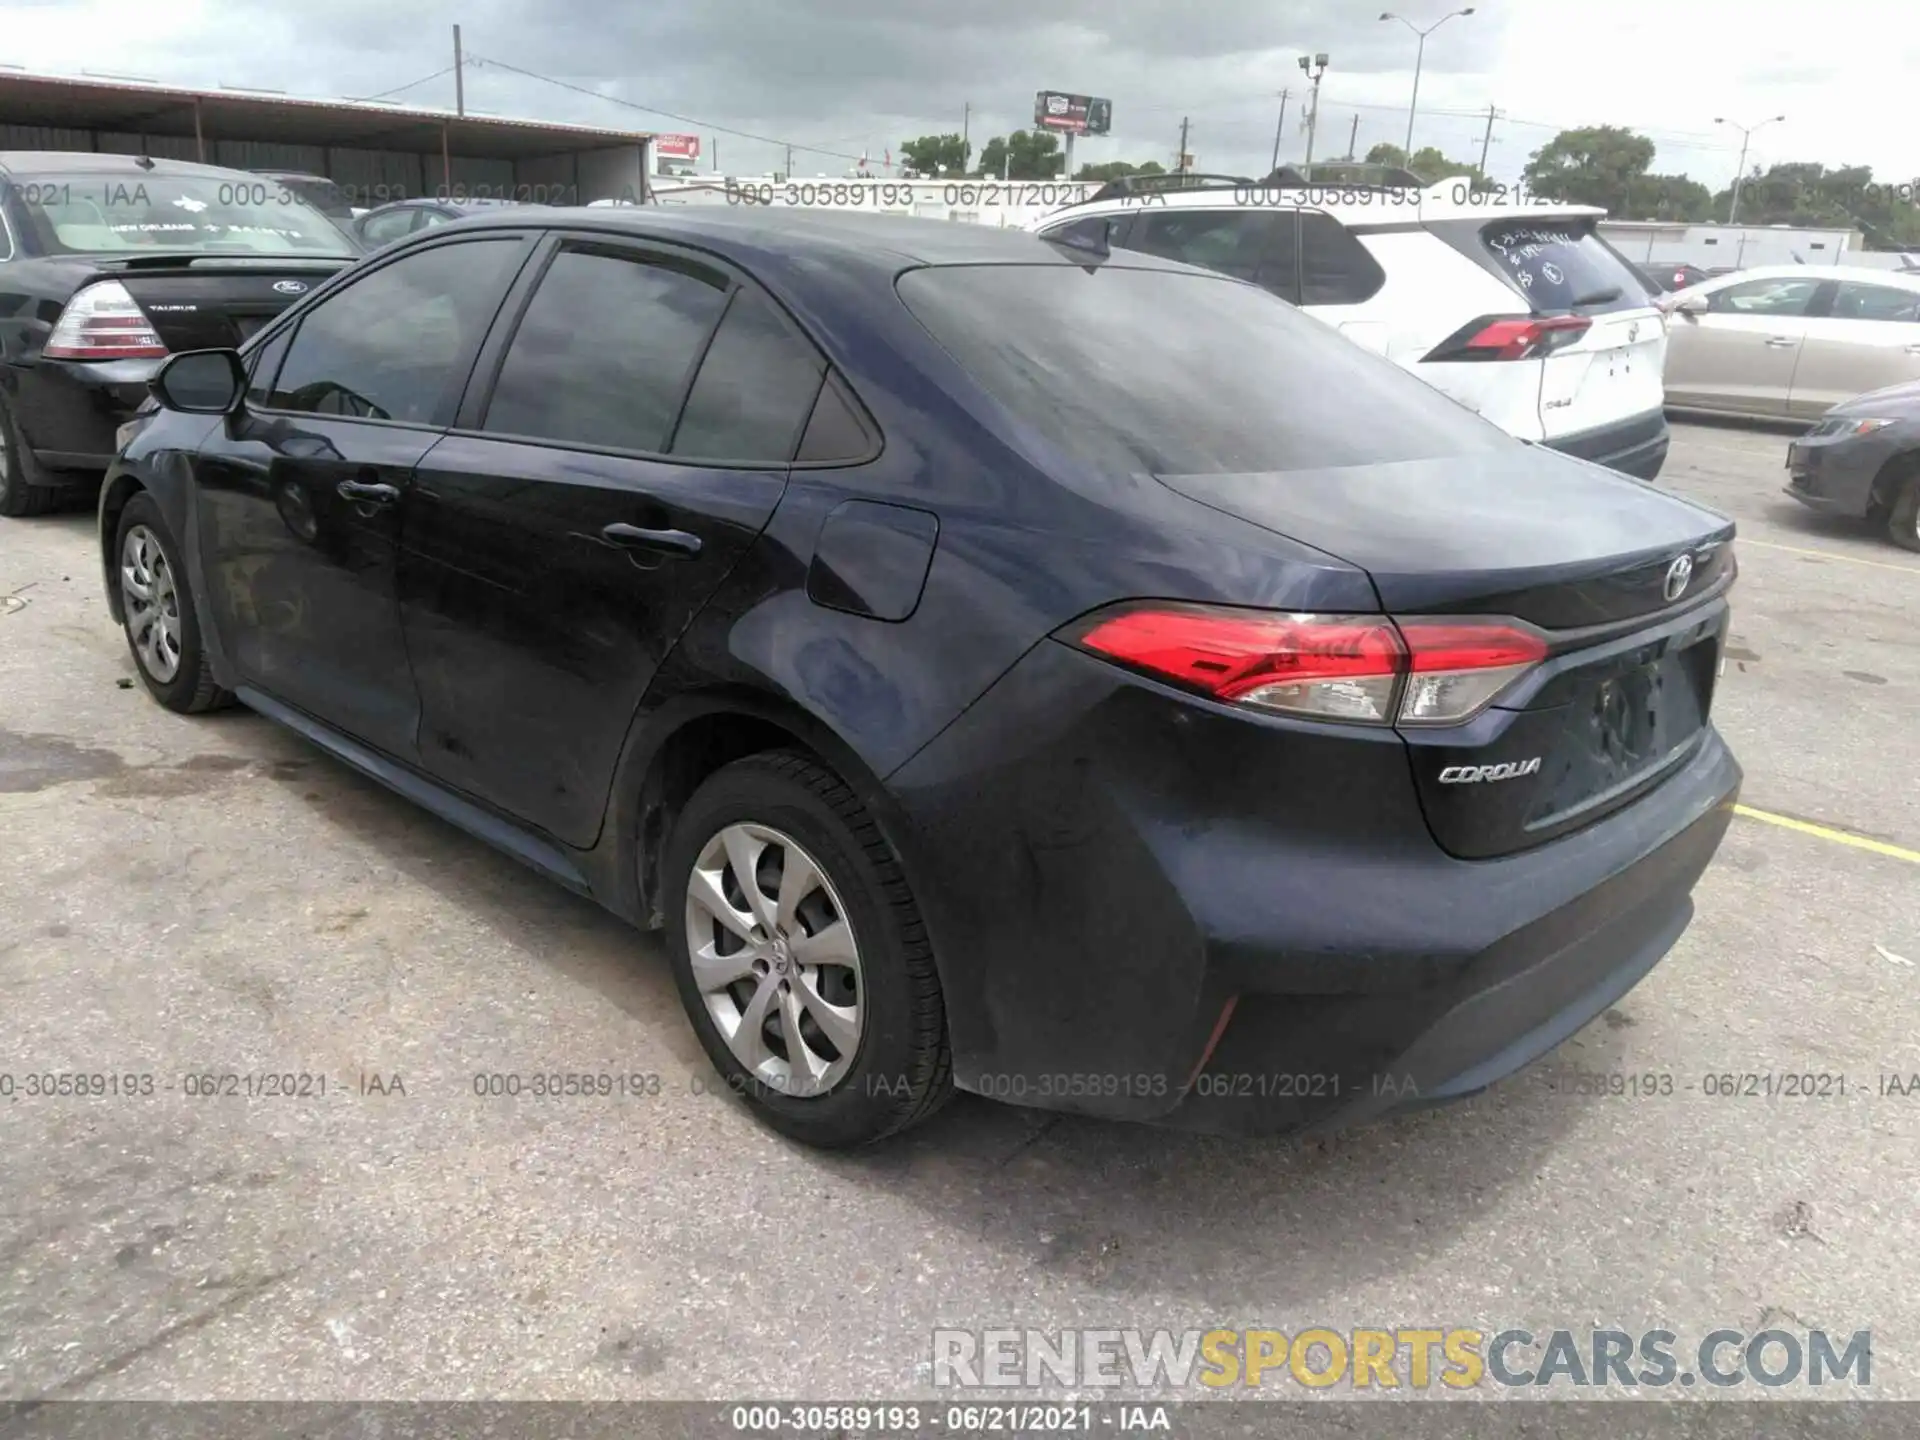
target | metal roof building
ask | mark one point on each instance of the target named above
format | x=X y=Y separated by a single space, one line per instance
x=375 y=151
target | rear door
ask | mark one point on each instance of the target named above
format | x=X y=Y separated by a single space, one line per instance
x=1868 y=338
x=1740 y=355
x=1609 y=372
x=627 y=438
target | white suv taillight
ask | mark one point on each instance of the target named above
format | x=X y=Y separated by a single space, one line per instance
x=104 y=322
x=1365 y=669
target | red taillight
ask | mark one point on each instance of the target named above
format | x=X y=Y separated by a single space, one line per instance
x=1367 y=669
x=104 y=322
x=1511 y=337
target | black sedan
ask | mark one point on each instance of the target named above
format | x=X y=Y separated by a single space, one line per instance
x=384 y=224
x=1862 y=460
x=1069 y=677
x=108 y=263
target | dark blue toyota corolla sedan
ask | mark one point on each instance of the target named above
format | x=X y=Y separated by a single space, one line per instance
x=1069 y=677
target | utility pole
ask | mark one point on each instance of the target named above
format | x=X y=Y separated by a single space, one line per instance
x=966 y=124
x=1180 y=165
x=787 y=174
x=1353 y=135
x=1419 y=55
x=459 y=77
x=1280 y=128
x=1314 y=66
x=1486 y=140
x=1740 y=175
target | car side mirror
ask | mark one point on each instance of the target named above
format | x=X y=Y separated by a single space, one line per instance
x=1693 y=305
x=201 y=382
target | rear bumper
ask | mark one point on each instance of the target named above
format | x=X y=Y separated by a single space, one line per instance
x=1150 y=910
x=68 y=410
x=1635 y=446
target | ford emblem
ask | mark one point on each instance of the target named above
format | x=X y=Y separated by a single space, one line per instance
x=290 y=287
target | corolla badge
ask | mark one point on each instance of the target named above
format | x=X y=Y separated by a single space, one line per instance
x=1679 y=576
x=1476 y=774
x=290 y=287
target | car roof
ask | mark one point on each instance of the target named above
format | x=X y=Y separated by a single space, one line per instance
x=896 y=240
x=75 y=162
x=1898 y=279
x=1356 y=207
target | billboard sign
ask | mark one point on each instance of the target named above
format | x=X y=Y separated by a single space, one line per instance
x=677 y=147
x=1072 y=114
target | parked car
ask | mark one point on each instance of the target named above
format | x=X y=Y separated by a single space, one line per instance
x=317 y=190
x=1789 y=342
x=1862 y=459
x=108 y=263
x=993 y=664
x=1522 y=313
x=384 y=224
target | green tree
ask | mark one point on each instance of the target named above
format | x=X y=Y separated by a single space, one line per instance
x=1118 y=169
x=1429 y=164
x=939 y=155
x=1845 y=197
x=1022 y=155
x=1594 y=165
x=1676 y=198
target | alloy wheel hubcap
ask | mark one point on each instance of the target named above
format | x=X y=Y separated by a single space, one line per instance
x=775 y=959
x=152 y=604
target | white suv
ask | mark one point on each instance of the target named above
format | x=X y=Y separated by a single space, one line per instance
x=1521 y=312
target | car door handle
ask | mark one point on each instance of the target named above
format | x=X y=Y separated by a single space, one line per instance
x=674 y=544
x=1913 y=349
x=1779 y=342
x=366 y=492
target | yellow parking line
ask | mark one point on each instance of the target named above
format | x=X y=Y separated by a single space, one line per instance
x=1824 y=832
x=1742 y=543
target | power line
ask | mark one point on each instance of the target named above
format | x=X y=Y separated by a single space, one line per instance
x=704 y=125
x=408 y=86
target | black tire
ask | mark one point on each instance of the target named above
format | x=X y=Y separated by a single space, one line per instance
x=190 y=690
x=901 y=1071
x=1903 y=521
x=18 y=499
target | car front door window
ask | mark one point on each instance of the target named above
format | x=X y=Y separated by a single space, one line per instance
x=1778 y=298
x=386 y=347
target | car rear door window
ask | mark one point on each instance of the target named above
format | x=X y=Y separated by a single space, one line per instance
x=1764 y=297
x=754 y=390
x=603 y=354
x=391 y=345
x=1562 y=265
x=1256 y=245
x=1857 y=301
x=1335 y=268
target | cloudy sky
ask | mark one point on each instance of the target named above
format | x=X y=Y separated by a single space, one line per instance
x=853 y=76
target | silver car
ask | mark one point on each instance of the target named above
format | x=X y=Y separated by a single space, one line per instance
x=1789 y=342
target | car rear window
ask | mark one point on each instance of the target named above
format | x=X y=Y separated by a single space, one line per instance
x=1181 y=373
x=1563 y=265
x=94 y=213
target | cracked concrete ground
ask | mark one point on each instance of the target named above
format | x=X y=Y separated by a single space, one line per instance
x=188 y=896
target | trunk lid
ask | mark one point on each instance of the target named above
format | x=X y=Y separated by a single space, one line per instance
x=1589 y=557
x=213 y=303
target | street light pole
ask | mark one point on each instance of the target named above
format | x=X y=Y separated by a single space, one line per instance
x=1314 y=66
x=1740 y=175
x=1419 y=58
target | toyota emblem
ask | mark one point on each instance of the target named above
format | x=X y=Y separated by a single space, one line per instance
x=1633 y=332
x=290 y=287
x=1679 y=576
